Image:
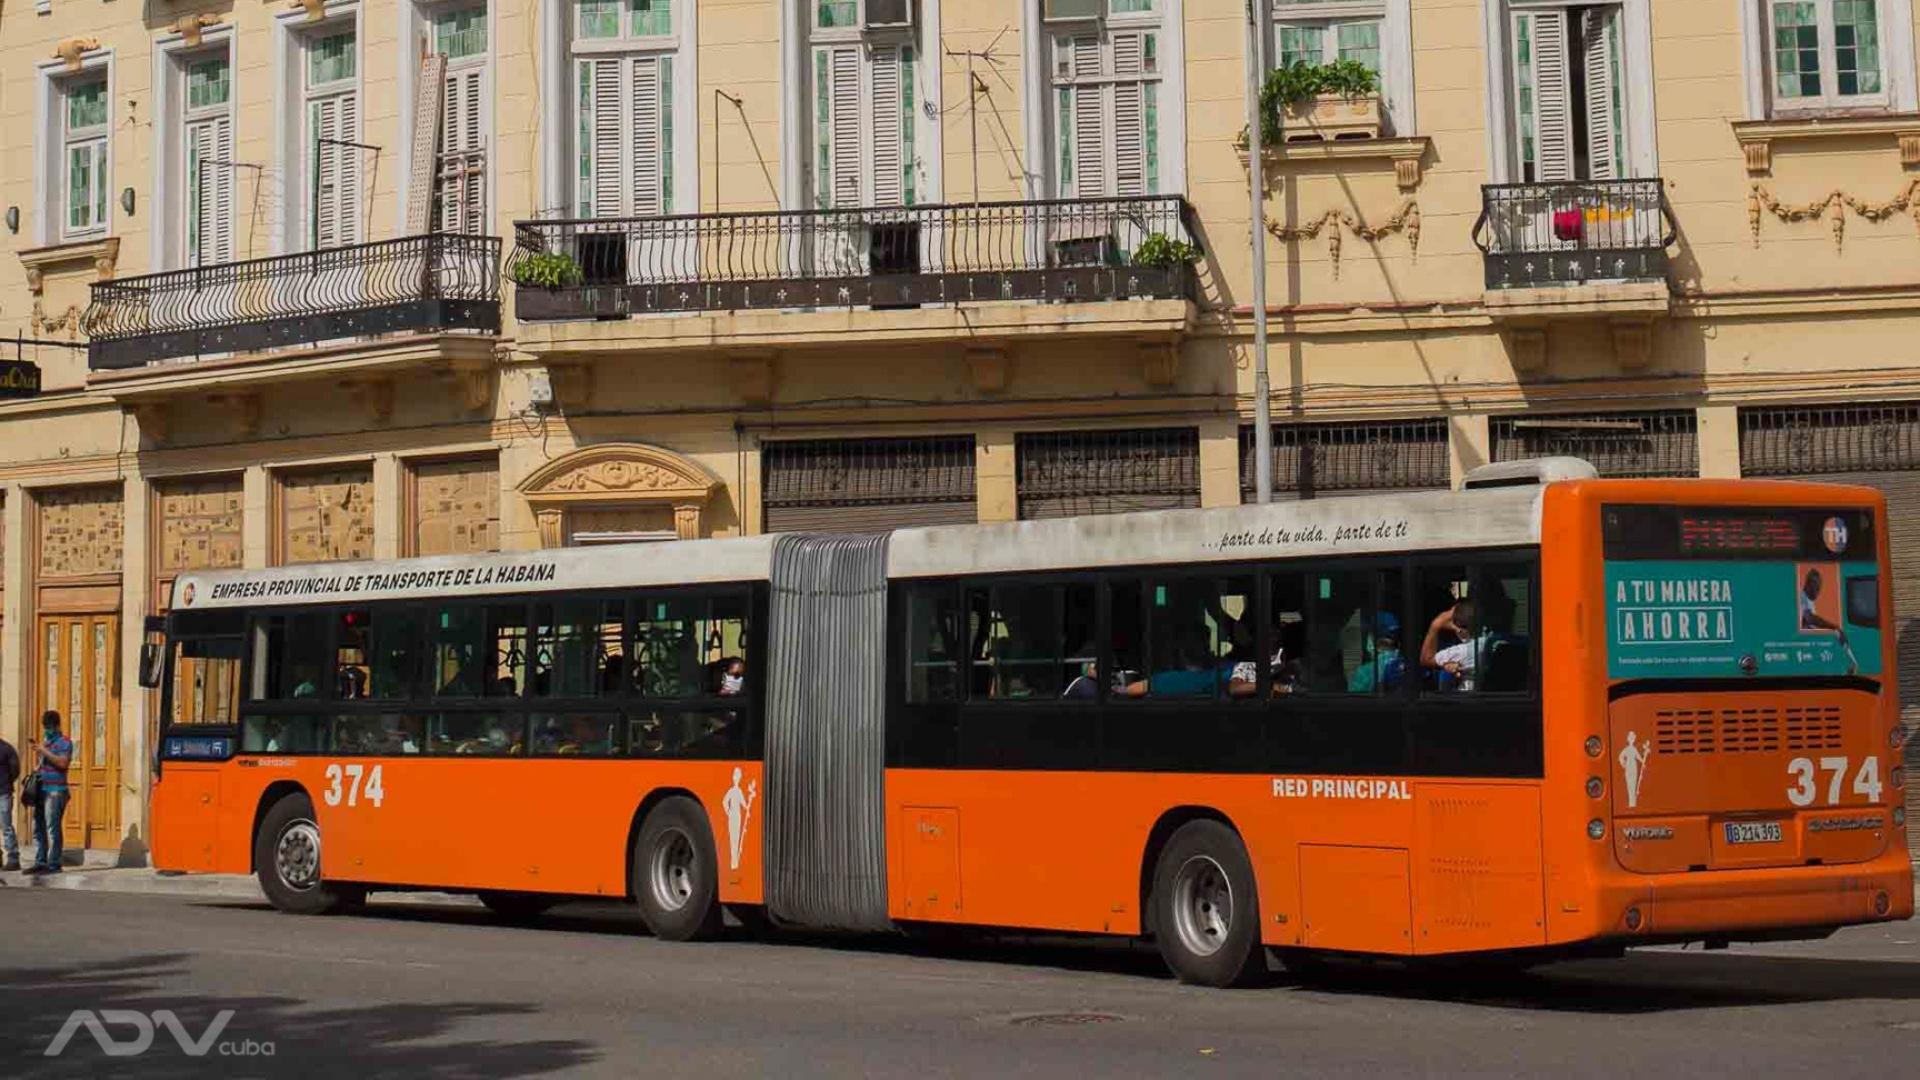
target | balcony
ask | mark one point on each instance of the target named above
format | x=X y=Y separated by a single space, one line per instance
x=1579 y=247
x=877 y=258
x=415 y=284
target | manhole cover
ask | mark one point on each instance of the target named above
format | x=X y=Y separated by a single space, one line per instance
x=1063 y=1019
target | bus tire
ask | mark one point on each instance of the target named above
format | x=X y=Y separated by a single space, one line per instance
x=517 y=906
x=1206 y=916
x=676 y=877
x=286 y=859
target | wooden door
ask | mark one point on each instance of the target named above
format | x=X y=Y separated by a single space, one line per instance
x=80 y=673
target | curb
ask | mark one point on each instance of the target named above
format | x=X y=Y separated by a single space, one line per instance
x=142 y=881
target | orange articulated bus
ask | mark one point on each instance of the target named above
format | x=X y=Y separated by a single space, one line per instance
x=1551 y=716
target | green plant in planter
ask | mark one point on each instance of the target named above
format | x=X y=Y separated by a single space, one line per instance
x=1298 y=82
x=1163 y=252
x=547 y=270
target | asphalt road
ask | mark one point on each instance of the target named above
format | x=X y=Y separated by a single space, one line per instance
x=428 y=990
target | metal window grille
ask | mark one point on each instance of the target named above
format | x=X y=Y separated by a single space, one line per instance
x=1313 y=460
x=853 y=485
x=1625 y=445
x=1067 y=473
x=1800 y=441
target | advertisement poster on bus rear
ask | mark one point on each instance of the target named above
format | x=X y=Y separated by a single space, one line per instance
x=1735 y=618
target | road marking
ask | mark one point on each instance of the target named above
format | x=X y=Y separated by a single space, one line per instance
x=350 y=960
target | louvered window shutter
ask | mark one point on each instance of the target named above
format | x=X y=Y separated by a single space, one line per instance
x=1089 y=120
x=462 y=166
x=349 y=157
x=603 y=160
x=1600 y=43
x=1129 y=117
x=1542 y=93
x=210 y=184
x=330 y=163
x=843 y=155
x=883 y=69
x=645 y=126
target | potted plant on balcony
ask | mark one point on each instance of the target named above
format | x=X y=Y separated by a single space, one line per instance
x=1172 y=258
x=1320 y=102
x=538 y=278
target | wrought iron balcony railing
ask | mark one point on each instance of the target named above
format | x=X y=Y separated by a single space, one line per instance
x=903 y=256
x=1574 y=232
x=417 y=284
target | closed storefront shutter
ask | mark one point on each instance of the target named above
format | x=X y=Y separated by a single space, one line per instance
x=1620 y=445
x=1312 y=461
x=867 y=485
x=1065 y=473
x=1876 y=446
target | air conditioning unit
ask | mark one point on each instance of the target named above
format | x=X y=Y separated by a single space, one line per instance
x=889 y=13
x=1055 y=11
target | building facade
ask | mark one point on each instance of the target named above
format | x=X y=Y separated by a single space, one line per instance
x=339 y=279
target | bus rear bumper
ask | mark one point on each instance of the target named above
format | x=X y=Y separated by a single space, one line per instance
x=1733 y=903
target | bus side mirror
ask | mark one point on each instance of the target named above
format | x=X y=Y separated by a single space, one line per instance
x=153 y=654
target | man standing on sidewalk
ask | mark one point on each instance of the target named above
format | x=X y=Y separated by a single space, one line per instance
x=54 y=753
x=9 y=772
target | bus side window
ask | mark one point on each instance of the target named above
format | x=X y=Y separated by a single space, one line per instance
x=289 y=656
x=933 y=643
x=457 y=655
x=395 y=642
x=666 y=646
x=1506 y=605
x=577 y=649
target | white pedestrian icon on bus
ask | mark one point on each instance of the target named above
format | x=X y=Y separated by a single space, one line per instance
x=739 y=809
x=1633 y=762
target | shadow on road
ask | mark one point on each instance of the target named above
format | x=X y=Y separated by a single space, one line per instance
x=410 y=1039
x=1641 y=983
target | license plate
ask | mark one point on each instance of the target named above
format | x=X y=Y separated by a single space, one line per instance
x=1753 y=832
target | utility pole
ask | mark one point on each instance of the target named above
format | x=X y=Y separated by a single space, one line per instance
x=1256 y=181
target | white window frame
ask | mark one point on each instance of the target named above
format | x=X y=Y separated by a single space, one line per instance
x=1168 y=19
x=911 y=36
x=294 y=229
x=1396 y=46
x=1636 y=44
x=559 y=90
x=1897 y=76
x=171 y=57
x=50 y=178
x=416 y=25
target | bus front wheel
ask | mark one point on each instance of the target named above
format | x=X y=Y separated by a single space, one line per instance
x=675 y=873
x=286 y=858
x=1206 y=918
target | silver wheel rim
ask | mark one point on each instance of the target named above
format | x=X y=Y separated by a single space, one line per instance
x=296 y=858
x=670 y=872
x=1202 y=906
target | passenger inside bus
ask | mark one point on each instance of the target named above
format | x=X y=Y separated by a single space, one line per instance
x=1188 y=675
x=1476 y=644
x=733 y=676
x=1381 y=665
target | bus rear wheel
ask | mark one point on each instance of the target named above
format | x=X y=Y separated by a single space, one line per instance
x=1206 y=917
x=676 y=876
x=518 y=906
x=286 y=859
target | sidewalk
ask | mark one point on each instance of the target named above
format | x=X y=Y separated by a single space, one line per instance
x=98 y=874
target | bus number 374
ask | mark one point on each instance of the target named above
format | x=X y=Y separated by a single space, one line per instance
x=352 y=773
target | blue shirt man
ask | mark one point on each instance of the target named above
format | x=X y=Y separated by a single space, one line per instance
x=55 y=754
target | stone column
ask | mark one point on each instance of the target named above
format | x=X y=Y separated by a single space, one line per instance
x=995 y=489
x=136 y=704
x=1220 y=461
x=1719 y=440
x=1469 y=445
x=256 y=524
x=389 y=510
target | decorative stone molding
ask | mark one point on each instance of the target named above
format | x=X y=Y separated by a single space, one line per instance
x=613 y=475
x=70 y=50
x=572 y=385
x=1633 y=343
x=1527 y=348
x=1159 y=362
x=190 y=27
x=151 y=419
x=990 y=369
x=102 y=253
x=1834 y=206
x=1406 y=220
x=752 y=377
x=1408 y=156
x=1757 y=137
x=376 y=396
